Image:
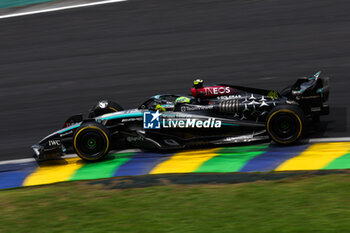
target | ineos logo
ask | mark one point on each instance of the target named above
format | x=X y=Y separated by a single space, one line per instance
x=217 y=90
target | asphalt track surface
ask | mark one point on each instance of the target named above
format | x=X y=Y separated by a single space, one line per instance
x=56 y=64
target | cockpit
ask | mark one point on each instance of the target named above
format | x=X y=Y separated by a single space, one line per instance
x=167 y=102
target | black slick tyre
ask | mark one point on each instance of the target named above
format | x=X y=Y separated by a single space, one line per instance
x=91 y=141
x=285 y=124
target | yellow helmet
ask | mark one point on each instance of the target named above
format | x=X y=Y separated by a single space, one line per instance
x=182 y=99
x=198 y=83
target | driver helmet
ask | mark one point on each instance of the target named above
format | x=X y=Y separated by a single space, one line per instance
x=198 y=83
x=182 y=100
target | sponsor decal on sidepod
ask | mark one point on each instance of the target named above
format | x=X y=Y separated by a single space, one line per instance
x=152 y=120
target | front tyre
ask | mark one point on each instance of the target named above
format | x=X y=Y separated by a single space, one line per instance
x=91 y=141
x=285 y=124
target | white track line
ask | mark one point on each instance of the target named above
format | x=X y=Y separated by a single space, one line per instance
x=28 y=160
x=312 y=140
x=16 y=161
x=317 y=140
x=60 y=8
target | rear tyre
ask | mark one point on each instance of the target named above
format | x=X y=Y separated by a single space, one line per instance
x=285 y=124
x=91 y=141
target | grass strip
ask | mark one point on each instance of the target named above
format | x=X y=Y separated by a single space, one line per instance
x=299 y=204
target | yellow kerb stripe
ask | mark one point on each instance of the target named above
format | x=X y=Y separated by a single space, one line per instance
x=184 y=162
x=316 y=156
x=54 y=171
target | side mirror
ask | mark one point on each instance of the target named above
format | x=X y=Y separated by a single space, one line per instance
x=73 y=120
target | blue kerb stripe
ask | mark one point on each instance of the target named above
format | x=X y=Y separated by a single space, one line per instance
x=141 y=164
x=272 y=158
x=13 y=175
x=138 y=114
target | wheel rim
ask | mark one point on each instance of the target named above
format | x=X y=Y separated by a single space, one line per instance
x=91 y=143
x=285 y=127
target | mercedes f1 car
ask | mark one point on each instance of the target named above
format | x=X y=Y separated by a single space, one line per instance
x=211 y=115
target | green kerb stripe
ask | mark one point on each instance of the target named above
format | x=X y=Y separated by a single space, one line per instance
x=342 y=162
x=232 y=159
x=14 y=3
x=103 y=169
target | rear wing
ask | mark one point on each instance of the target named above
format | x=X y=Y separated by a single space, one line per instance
x=313 y=86
x=311 y=94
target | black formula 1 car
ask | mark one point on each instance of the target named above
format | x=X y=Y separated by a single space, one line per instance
x=211 y=115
